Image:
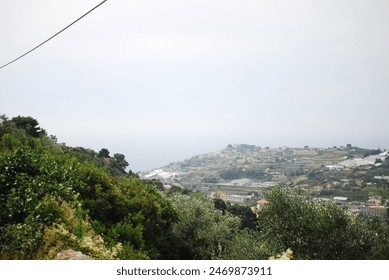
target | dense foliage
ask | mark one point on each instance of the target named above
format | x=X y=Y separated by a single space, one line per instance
x=54 y=197
x=320 y=230
x=202 y=232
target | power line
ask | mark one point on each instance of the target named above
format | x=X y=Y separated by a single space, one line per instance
x=33 y=49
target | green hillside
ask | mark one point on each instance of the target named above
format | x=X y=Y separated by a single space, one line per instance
x=54 y=197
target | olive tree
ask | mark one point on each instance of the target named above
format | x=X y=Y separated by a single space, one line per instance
x=319 y=230
x=201 y=232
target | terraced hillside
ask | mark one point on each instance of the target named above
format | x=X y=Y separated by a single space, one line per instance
x=259 y=164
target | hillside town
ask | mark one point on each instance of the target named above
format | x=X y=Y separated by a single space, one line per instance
x=354 y=178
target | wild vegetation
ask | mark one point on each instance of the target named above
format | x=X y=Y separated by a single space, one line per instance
x=54 y=197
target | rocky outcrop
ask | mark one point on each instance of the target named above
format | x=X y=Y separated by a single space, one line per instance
x=72 y=255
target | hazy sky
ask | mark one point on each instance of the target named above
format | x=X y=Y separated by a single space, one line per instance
x=160 y=81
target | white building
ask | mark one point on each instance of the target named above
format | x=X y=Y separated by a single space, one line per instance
x=238 y=198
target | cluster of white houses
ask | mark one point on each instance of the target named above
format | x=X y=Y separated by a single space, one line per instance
x=373 y=207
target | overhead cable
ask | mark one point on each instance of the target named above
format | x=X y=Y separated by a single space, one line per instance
x=54 y=35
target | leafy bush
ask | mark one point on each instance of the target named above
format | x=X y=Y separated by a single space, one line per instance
x=201 y=232
x=319 y=231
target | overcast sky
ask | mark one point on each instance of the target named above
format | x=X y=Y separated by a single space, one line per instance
x=160 y=81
